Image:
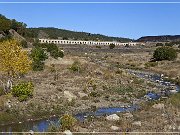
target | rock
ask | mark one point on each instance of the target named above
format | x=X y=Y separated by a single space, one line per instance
x=172 y=127
x=98 y=72
x=81 y=94
x=67 y=132
x=70 y=96
x=113 y=117
x=81 y=129
x=173 y=91
x=31 y=132
x=178 y=128
x=131 y=81
x=158 y=106
x=115 y=128
x=137 y=123
x=1 y=36
x=128 y=115
x=16 y=35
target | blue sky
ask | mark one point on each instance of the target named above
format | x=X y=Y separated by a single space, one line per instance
x=122 y=20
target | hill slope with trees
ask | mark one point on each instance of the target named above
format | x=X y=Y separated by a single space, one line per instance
x=55 y=33
x=50 y=32
x=164 y=38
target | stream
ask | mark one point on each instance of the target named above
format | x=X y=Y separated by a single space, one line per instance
x=44 y=124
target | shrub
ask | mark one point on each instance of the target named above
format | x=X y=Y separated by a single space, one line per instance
x=151 y=64
x=121 y=90
x=22 y=98
x=56 y=53
x=24 y=44
x=1 y=91
x=175 y=99
x=38 y=56
x=169 y=44
x=97 y=46
x=164 y=53
x=94 y=94
x=159 y=44
x=37 y=65
x=67 y=122
x=111 y=46
x=75 y=67
x=23 y=90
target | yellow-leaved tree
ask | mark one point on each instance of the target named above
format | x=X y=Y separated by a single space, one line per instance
x=13 y=60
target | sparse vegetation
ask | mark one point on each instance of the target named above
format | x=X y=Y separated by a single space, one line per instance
x=175 y=99
x=150 y=64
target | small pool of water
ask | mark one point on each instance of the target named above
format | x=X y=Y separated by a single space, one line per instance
x=43 y=125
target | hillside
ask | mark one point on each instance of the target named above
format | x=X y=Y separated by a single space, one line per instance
x=163 y=38
x=56 y=33
x=50 y=32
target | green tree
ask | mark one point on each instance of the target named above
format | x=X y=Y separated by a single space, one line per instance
x=5 y=23
x=164 y=53
x=38 y=56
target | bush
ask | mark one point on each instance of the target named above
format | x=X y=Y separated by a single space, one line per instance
x=151 y=64
x=23 y=90
x=67 y=122
x=94 y=94
x=1 y=91
x=97 y=46
x=75 y=67
x=55 y=54
x=175 y=99
x=38 y=56
x=164 y=53
x=37 y=65
x=159 y=44
x=111 y=46
x=24 y=44
x=169 y=44
x=22 y=98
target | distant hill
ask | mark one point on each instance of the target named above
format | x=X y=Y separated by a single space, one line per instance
x=50 y=32
x=163 y=38
x=55 y=33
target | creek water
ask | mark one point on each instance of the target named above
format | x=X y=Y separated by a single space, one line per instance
x=44 y=124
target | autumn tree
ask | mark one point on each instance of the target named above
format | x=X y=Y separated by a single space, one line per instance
x=13 y=60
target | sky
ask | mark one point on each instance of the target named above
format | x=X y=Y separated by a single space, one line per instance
x=130 y=20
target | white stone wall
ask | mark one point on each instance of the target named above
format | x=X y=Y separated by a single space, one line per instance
x=57 y=41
